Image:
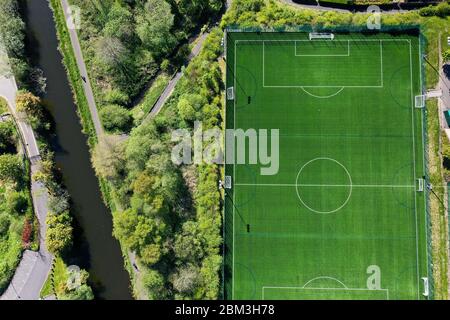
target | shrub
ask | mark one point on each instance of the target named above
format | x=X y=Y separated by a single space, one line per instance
x=4 y=224
x=16 y=202
x=27 y=232
x=11 y=169
x=59 y=232
x=116 y=96
x=116 y=118
x=59 y=202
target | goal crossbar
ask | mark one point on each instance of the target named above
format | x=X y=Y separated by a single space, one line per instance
x=321 y=35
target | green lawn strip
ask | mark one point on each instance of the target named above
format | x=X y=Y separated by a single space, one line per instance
x=151 y=96
x=59 y=276
x=438 y=222
x=3 y=106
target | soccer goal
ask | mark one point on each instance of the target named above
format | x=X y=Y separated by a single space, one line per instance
x=419 y=101
x=426 y=289
x=321 y=36
x=230 y=93
x=227 y=182
x=420 y=185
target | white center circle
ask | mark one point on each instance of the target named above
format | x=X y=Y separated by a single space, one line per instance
x=350 y=185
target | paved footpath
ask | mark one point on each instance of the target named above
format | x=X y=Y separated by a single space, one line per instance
x=82 y=69
x=34 y=267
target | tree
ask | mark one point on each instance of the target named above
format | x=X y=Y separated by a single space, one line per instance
x=45 y=175
x=189 y=245
x=83 y=292
x=30 y=105
x=189 y=106
x=116 y=118
x=4 y=224
x=154 y=283
x=59 y=232
x=7 y=137
x=108 y=157
x=446 y=55
x=11 y=28
x=59 y=201
x=16 y=203
x=11 y=169
x=153 y=26
x=186 y=279
x=119 y=23
x=110 y=51
x=150 y=254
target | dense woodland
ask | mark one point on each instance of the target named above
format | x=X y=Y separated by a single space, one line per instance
x=170 y=216
x=126 y=43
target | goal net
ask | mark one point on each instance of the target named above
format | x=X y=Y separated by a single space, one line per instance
x=321 y=35
x=420 y=185
x=227 y=184
x=419 y=101
x=230 y=93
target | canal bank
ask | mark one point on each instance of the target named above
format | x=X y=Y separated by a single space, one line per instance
x=95 y=248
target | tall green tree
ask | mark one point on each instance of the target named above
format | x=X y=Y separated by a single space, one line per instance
x=154 y=23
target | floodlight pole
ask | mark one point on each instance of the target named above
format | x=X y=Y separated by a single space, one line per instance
x=429 y=187
x=434 y=68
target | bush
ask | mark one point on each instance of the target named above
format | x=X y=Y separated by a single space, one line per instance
x=116 y=118
x=16 y=203
x=7 y=137
x=59 y=202
x=27 y=233
x=31 y=107
x=11 y=169
x=59 y=232
x=4 y=224
x=116 y=96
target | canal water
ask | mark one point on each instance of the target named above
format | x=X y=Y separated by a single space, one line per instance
x=95 y=247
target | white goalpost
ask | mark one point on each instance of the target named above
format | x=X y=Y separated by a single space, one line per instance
x=227 y=184
x=230 y=93
x=420 y=185
x=419 y=101
x=321 y=36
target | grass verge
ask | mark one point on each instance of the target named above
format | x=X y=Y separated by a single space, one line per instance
x=70 y=63
x=437 y=208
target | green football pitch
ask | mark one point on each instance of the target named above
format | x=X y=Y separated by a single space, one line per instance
x=344 y=217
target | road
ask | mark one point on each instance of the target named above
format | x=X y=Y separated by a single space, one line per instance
x=83 y=71
x=34 y=266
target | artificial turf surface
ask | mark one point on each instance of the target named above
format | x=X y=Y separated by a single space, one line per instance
x=344 y=201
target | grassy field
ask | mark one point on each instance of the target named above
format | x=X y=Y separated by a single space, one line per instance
x=342 y=218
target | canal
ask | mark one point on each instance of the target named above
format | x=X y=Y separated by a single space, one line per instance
x=95 y=248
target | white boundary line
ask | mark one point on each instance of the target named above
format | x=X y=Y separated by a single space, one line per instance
x=322 y=55
x=322 y=97
x=423 y=159
x=414 y=167
x=234 y=166
x=415 y=196
x=386 y=291
x=324 y=185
